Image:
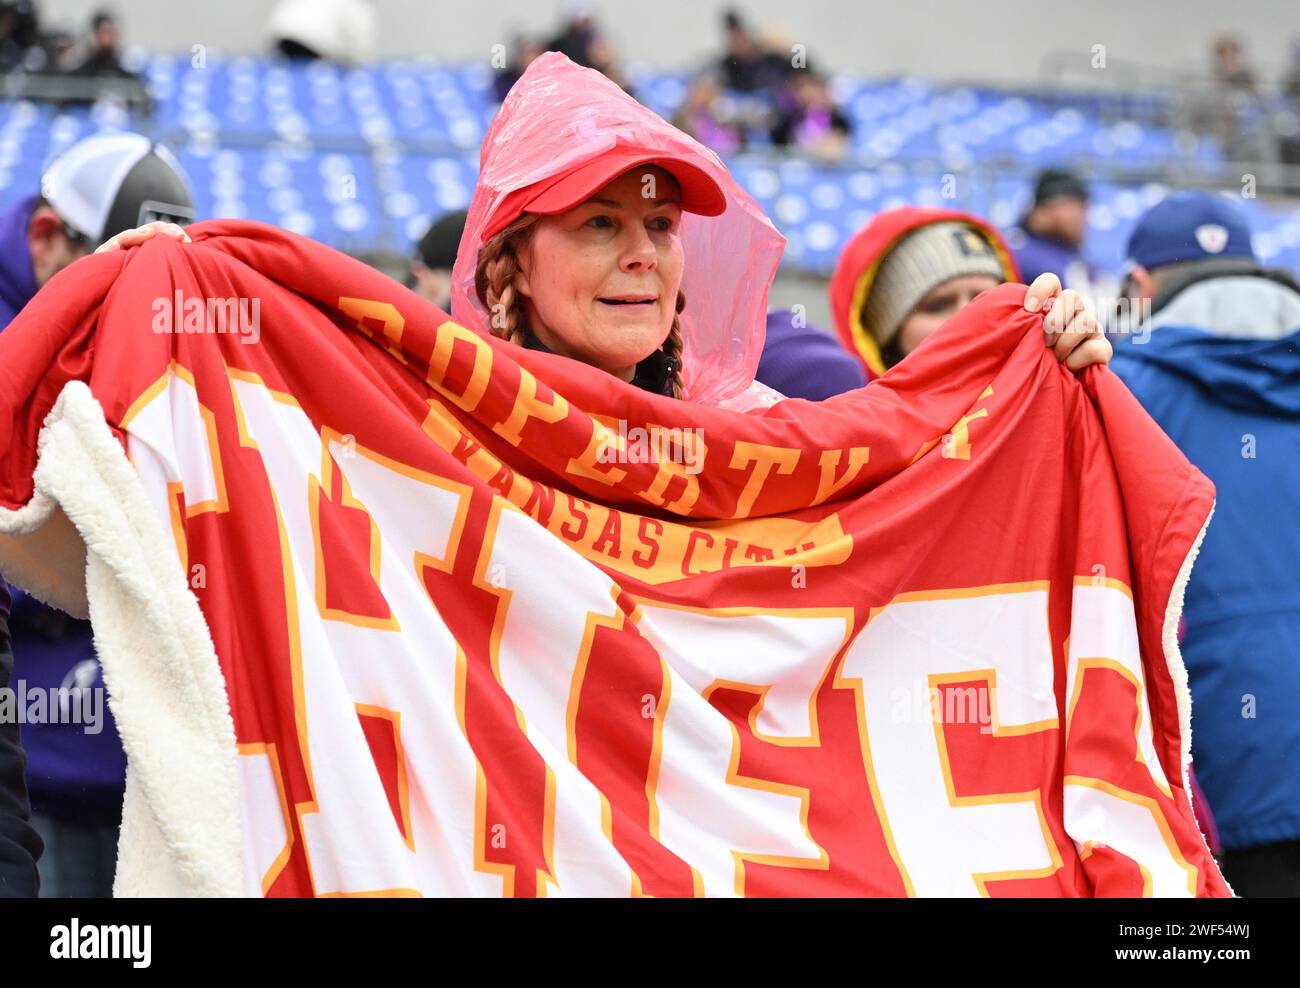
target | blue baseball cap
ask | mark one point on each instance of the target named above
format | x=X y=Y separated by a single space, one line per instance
x=1190 y=226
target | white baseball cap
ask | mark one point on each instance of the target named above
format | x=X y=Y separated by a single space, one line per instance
x=112 y=182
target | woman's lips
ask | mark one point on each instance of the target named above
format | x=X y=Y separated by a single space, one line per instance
x=628 y=299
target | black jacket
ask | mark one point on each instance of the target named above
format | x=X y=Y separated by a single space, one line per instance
x=20 y=846
x=654 y=374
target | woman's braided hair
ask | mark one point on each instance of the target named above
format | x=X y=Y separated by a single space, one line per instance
x=494 y=281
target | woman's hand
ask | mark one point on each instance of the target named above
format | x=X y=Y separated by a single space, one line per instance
x=129 y=238
x=1072 y=331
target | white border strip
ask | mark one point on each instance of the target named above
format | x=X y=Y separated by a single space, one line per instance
x=1178 y=670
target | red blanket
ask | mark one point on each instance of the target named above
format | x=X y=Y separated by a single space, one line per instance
x=487 y=621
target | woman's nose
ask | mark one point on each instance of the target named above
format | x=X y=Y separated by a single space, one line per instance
x=639 y=253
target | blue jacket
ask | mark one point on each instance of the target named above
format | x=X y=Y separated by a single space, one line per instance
x=71 y=773
x=1220 y=372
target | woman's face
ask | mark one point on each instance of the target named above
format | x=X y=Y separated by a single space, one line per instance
x=600 y=281
x=942 y=303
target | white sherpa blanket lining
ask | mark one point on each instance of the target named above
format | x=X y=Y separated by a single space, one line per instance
x=181 y=833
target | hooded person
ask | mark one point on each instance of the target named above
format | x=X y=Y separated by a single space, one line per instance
x=905 y=273
x=897 y=280
x=1216 y=362
x=596 y=223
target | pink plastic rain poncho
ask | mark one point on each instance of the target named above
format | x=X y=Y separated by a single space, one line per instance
x=559 y=115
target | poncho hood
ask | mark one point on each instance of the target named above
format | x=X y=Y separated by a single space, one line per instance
x=855 y=271
x=559 y=116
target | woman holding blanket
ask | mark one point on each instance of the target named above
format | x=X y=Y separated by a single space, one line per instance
x=604 y=238
x=600 y=232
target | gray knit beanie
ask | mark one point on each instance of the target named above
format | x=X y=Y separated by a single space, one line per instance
x=924 y=259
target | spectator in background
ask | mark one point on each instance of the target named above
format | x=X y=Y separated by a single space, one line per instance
x=19 y=34
x=102 y=59
x=43 y=233
x=742 y=62
x=582 y=42
x=577 y=36
x=27 y=46
x=1230 y=112
x=908 y=268
x=605 y=60
x=1230 y=68
x=1050 y=236
x=98 y=187
x=1289 y=140
x=341 y=31
x=435 y=256
x=35 y=244
x=747 y=66
x=1291 y=82
x=59 y=52
x=525 y=50
x=1217 y=365
x=702 y=116
x=898 y=279
x=812 y=122
x=906 y=273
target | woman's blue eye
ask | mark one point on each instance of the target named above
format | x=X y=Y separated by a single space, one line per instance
x=662 y=223
x=600 y=222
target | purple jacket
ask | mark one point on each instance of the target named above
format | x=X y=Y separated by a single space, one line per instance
x=20 y=846
x=17 y=281
x=17 y=286
x=802 y=361
x=1038 y=255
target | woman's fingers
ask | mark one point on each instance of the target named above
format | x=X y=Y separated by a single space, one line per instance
x=1094 y=350
x=113 y=243
x=1083 y=326
x=1074 y=333
x=1044 y=288
x=1064 y=308
x=129 y=238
